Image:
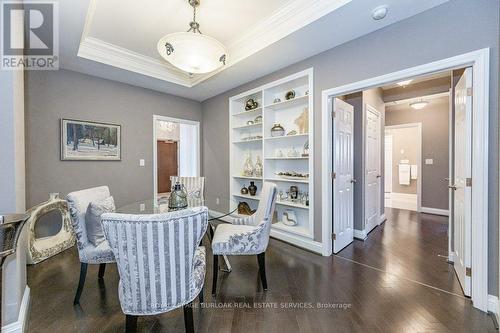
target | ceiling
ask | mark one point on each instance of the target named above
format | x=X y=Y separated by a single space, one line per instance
x=116 y=39
x=404 y=105
x=420 y=79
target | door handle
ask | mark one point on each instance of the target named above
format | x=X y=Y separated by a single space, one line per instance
x=447 y=179
x=353 y=180
x=379 y=176
x=453 y=187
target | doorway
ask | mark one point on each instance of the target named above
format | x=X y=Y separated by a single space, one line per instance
x=176 y=151
x=477 y=138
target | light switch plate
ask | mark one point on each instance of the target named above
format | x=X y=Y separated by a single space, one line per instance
x=142 y=162
x=429 y=161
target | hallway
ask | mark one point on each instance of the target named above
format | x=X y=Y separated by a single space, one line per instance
x=410 y=245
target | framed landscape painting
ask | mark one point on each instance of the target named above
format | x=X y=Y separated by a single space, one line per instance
x=90 y=141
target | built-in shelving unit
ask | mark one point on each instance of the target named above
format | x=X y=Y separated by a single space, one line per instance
x=252 y=137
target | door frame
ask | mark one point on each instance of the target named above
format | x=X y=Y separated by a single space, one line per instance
x=480 y=63
x=385 y=160
x=419 y=158
x=157 y=118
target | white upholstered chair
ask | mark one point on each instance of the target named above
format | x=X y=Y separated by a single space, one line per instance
x=88 y=253
x=195 y=186
x=160 y=264
x=247 y=235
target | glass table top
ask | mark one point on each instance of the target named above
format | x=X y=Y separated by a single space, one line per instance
x=218 y=206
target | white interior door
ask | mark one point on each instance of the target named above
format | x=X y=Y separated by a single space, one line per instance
x=388 y=164
x=372 y=168
x=462 y=178
x=343 y=166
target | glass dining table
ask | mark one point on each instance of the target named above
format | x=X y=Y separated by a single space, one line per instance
x=220 y=208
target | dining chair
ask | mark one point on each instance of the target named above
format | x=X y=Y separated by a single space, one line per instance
x=247 y=235
x=195 y=186
x=160 y=264
x=88 y=253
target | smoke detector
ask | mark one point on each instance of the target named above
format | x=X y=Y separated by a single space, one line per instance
x=379 y=13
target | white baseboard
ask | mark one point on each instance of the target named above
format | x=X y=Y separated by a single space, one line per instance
x=382 y=219
x=296 y=240
x=493 y=306
x=360 y=234
x=402 y=201
x=435 y=211
x=20 y=325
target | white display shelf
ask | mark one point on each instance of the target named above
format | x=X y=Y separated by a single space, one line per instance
x=252 y=112
x=247 y=141
x=297 y=229
x=248 y=126
x=292 y=204
x=276 y=179
x=288 y=103
x=285 y=113
x=287 y=158
x=286 y=137
x=247 y=177
x=247 y=196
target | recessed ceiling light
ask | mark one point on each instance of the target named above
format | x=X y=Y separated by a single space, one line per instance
x=404 y=83
x=418 y=105
x=379 y=13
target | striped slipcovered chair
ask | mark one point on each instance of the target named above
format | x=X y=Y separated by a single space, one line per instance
x=78 y=202
x=160 y=264
x=247 y=235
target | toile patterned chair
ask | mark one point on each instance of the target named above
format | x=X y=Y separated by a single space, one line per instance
x=88 y=253
x=160 y=264
x=247 y=235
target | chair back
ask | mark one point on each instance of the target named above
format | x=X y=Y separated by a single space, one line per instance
x=155 y=257
x=78 y=202
x=263 y=217
x=195 y=186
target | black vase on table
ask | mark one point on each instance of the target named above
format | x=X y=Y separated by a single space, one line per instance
x=252 y=188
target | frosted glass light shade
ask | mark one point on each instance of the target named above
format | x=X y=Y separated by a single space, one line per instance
x=419 y=105
x=193 y=52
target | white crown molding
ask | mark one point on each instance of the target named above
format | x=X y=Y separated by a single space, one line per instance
x=294 y=15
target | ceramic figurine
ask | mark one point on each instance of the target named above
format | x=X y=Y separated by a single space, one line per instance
x=292 y=132
x=290 y=95
x=250 y=122
x=257 y=170
x=278 y=153
x=277 y=130
x=277 y=100
x=305 y=152
x=252 y=189
x=292 y=152
x=251 y=104
x=257 y=120
x=307 y=92
x=289 y=218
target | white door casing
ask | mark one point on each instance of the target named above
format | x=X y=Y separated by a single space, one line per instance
x=372 y=167
x=343 y=167
x=388 y=163
x=462 y=173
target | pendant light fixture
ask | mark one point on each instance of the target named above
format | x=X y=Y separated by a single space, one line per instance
x=192 y=51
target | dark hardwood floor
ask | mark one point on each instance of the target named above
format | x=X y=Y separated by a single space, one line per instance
x=367 y=299
x=410 y=245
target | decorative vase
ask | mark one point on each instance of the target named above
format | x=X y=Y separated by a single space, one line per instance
x=252 y=189
x=251 y=104
x=290 y=95
x=257 y=170
x=305 y=152
x=244 y=190
x=294 y=192
x=277 y=130
x=178 y=197
x=248 y=166
x=257 y=120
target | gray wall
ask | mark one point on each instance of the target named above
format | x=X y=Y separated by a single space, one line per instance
x=456 y=27
x=435 y=144
x=52 y=95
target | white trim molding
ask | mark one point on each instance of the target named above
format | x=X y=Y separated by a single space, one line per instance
x=493 y=306
x=294 y=15
x=360 y=234
x=296 y=240
x=435 y=211
x=20 y=325
x=382 y=219
x=480 y=63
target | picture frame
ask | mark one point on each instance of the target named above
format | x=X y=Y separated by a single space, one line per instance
x=83 y=140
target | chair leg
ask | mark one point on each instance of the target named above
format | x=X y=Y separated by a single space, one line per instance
x=261 y=258
x=81 y=283
x=188 y=318
x=130 y=324
x=102 y=269
x=216 y=272
x=200 y=295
